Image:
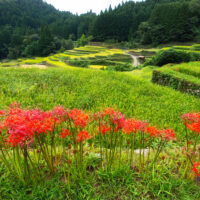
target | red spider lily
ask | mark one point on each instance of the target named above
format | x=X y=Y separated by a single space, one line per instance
x=194 y=127
x=103 y=129
x=129 y=126
x=192 y=121
x=79 y=118
x=1 y=127
x=195 y=170
x=14 y=105
x=192 y=117
x=98 y=115
x=132 y=126
x=59 y=113
x=64 y=133
x=167 y=134
x=109 y=111
x=83 y=135
x=118 y=120
x=2 y=112
x=23 y=125
x=152 y=131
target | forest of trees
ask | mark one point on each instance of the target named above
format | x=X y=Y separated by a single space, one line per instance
x=35 y=28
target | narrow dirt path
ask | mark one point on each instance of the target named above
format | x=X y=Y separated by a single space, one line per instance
x=135 y=60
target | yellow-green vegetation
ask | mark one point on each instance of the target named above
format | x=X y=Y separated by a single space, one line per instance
x=97 y=67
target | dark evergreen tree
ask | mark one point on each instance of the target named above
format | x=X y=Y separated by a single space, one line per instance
x=35 y=28
x=45 y=43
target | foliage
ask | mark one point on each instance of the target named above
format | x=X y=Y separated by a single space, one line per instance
x=121 y=67
x=79 y=63
x=171 y=56
x=23 y=26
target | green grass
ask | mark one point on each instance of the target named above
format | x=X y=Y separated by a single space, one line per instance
x=192 y=69
x=123 y=184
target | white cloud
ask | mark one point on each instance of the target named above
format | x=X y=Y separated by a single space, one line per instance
x=82 y=6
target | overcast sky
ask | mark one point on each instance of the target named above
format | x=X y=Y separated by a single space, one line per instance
x=82 y=6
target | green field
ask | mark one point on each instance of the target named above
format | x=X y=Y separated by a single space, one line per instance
x=47 y=82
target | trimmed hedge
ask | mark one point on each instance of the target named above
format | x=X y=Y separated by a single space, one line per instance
x=186 y=83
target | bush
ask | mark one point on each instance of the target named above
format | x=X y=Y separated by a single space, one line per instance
x=103 y=62
x=122 y=68
x=67 y=44
x=83 y=40
x=171 y=56
x=79 y=63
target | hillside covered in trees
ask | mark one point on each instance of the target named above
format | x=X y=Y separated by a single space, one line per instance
x=35 y=28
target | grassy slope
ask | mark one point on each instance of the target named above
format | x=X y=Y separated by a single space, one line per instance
x=133 y=94
x=192 y=68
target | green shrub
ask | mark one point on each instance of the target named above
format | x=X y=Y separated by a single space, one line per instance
x=79 y=63
x=172 y=56
x=122 y=68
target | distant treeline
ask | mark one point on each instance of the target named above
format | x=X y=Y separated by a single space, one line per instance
x=35 y=28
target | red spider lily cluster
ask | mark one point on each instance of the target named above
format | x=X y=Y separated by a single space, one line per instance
x=195 y=170
x=79 y=118
x=117 y=131
x=24 y=125
x=192 y=122
x=128 y=126
x=45 y=131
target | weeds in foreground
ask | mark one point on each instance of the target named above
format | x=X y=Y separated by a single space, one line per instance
x=32 y=140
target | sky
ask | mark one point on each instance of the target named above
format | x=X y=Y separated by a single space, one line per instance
x=82 y=6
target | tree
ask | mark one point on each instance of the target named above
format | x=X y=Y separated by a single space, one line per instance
x=45 y=43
